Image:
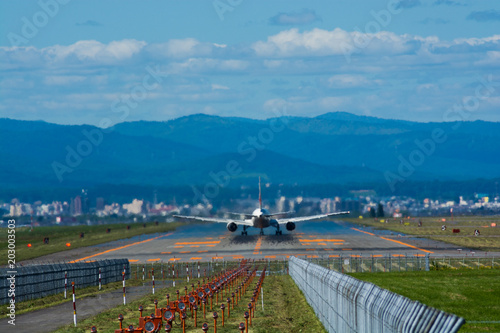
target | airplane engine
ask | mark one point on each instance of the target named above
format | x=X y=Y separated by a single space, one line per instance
x=231 y=226
x=290 y=226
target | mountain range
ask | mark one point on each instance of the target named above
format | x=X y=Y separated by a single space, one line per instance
x=336 y=148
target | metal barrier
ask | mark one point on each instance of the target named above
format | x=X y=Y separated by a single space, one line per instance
x=37 y=281
x=362 y=263
x=345 y=304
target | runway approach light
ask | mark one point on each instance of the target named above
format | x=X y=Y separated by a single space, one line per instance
x=29 y=245
x=68 y=244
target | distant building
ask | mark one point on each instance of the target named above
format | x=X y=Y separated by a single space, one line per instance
x=136 y=207
x=99 y=204
x=77 y=205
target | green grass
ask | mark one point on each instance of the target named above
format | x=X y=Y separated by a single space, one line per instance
x=471 y=294
x=489 y=240
x=61 y=235
x=285 y=310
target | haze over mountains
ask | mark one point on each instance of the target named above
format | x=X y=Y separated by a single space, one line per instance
x=332 y=148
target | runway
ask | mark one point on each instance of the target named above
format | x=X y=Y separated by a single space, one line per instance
x=205 y=242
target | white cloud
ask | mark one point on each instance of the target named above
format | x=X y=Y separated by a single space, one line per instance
x=57 y=80
x=351 y=81
x=219 y=87
x=182 y=48
x=94 y=50
x=319 y=42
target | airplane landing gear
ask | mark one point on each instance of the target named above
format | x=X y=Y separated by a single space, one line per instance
x=244 y=232
x=262 y=232
x=278 y=231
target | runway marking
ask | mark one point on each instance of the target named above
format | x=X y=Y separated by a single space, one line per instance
x=156 y=259
x=355 y=256
x=194 y=246
x=208 y=237
x=257 y=246
x=324 y=244
x=420 y=255
x=185 y=252
x=178 y=247
x=321 y=240
x=197 y=243
x=346 y=249
x=414 y=247
x=270 y=257
x=211 y=245
x=166 y=252
x=196 y=258
x=174 y=259
x=328 y=249
x=393 y=240
x=133 y=260
x=398 y=255
x=121 y=247
x=365 y=232
x=377 y=256
x=313 y=256
x=306 y=243
x=334 y=256
x=202 y=251
x=215 y=258
x=238 y=257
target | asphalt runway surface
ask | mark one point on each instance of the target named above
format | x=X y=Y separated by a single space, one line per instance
x=212 y=241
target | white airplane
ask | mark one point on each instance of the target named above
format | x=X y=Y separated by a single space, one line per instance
x=260 y=218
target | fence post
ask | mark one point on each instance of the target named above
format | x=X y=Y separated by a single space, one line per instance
x=74 y=303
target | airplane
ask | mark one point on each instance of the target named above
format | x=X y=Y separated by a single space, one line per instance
x=260 y=218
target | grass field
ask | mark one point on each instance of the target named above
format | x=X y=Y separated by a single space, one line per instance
x=60 y=236
x=471 y=294
x=285 y=310
x=488 y=240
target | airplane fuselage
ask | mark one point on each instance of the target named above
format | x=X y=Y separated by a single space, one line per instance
x=260 y=218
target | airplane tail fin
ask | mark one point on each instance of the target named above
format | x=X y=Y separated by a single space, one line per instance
x=260 y=196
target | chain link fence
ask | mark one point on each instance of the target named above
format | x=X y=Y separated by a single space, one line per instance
x=37 y=281
x=402 y=263
x=345 y=304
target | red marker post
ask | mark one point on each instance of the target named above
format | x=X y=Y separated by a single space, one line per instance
x=124 y=298
x=65 y=284
x=173 y=276
x=153 y=277
x=74 y=303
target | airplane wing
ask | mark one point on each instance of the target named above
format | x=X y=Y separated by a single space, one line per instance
x=280 y=213
x=247 y=216
x=310 y=218
x=214 y=220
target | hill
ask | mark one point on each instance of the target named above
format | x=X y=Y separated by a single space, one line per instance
x=335 y=148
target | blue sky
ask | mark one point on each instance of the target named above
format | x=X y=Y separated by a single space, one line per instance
x=75 y=61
